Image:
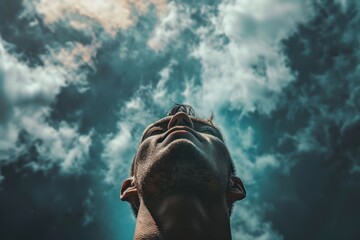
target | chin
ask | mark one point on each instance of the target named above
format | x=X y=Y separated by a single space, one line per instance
x=183 y=148
x=181 y=138
x=181 y=167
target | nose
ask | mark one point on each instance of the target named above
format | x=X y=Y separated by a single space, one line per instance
x=180 y=119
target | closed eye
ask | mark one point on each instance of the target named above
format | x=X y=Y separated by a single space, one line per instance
x=153 y=131
x=208 y=130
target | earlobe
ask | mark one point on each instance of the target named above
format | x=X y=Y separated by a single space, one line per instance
x=236 y=190
x=129 y=191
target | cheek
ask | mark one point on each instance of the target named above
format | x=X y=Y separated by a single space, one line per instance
x=144 y=156
x=222 y=159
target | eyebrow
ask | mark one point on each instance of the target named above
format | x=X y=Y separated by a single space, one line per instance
x=194 y=119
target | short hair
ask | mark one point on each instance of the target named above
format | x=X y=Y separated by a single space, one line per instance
x=176 y=108
x=182 y=108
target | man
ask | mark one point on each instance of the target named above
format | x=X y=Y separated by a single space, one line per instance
x=183 y=182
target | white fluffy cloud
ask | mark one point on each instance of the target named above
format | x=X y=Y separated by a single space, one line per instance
x=248 y=223
x=120 y=147
x=111 y=15
x=75 y=54
x=175 y=20
x=135 y=115
x=242 y=56
x=26 y=96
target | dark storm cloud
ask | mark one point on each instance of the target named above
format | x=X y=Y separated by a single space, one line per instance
x=44 y=206
x=316 y=130
x=323 y=102
x=28 y=33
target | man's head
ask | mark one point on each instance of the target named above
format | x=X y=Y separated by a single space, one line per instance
x=182 y=154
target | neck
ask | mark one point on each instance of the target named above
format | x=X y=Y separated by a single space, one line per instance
x=183 y=217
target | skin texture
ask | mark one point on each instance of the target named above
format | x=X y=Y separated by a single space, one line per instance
x=183 y=184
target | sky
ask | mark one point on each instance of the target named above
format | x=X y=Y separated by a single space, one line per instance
x=80 y=81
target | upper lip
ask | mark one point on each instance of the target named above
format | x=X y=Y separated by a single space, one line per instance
x=176 y=128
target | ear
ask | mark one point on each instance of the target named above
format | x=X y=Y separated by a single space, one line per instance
x=236 y=190
x=129 y=191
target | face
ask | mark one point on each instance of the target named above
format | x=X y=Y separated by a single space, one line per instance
x=182 y=154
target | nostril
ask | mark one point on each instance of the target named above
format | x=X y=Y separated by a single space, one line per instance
x=180 y=119
x=187 y=121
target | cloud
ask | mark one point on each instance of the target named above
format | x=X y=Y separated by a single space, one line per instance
x=112 y=15
x=147 y=105
x=241 y=53
x=326 y=107
x=347 y=4
x=316 y=122
x=117 y=153
x=343 y=3
x=75 y=54
x=63 y=146
x=248 y=223
x=170 y=26
x=27 y=95
x=120 y=147
x=89 y=207
x=286 y=99
x=244 y=70
x=161 y=93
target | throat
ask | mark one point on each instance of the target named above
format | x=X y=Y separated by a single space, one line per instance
x=187 y=217
x=182 y=213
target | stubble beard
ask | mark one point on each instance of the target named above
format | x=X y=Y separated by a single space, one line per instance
x=181 y=170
